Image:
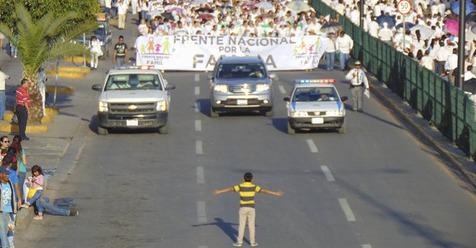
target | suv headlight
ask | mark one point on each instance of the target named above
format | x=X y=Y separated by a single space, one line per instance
x=102 y=106
x=221 y=88
x=298 y=114
x=162 y=106
x=262 y=87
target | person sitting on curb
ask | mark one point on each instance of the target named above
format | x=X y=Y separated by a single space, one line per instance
x=35 y=186
x=43 y=205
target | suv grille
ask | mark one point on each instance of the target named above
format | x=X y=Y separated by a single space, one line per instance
x=132 y=108
x=242 y=88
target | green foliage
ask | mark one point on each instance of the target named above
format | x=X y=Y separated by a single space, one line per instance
x=85 y=9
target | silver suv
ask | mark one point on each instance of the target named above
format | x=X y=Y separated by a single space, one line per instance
x=241 y=84
x=133 y=98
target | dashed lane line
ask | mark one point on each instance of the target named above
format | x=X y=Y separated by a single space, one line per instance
x=198 y=125
x=200 y=175
x=201 y=212
x=349 y=215
x=282 y=89
x=199 y=147
x=197 y=90
x=196 y=77
x=366 y=246
x=202 y=246
x=312 y=146
x=197 y=107
x=327 y=173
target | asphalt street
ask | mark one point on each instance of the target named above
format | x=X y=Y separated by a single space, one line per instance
x=375 y=186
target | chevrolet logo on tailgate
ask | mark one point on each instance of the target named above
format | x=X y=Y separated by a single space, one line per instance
x=132 y=107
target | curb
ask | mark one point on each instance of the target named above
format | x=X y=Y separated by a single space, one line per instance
x=453 y=156
x=70 y=72
x=7 y=127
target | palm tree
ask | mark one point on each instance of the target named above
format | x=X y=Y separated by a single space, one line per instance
x=41 y=40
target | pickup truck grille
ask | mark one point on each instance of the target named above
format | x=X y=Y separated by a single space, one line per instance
x=242 y=88
x=132 y=108
x=321 y=113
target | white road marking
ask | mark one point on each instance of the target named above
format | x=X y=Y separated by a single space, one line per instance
x=349 y=215
x=312 y=146
x=366 y=246
x=327 y=173
x=198 y=125
x=202 y=246
x=80 y=151
x=200 y=175
x=197 y=90
x=199 y=147
x=201 y=212
x=282 y=89
x=196 y=78
x=197 y=107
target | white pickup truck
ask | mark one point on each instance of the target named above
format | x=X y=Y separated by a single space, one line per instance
x=133 y=98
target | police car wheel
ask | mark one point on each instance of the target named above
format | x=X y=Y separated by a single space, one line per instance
x=268 y=113
x=164 y=129
x=291 y=129
x=102 y=131
x=213 y=113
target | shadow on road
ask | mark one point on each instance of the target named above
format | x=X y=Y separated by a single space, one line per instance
x=226 y=227
x=407 y=222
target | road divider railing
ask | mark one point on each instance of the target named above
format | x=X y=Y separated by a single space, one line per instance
x=444 y=106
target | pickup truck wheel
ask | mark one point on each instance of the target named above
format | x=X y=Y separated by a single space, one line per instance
x=291 y=129
x=102 y=131
x=213 y=113
x=342 y=129
x=164 y=129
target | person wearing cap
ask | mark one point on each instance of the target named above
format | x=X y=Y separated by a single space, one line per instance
x=247 y=214
x=359 y=85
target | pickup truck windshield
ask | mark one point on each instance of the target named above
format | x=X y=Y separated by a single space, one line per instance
x=234 y=71
x=314 y=94
x=133 y=82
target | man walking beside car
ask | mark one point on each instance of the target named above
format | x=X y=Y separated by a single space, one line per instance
x=119 y=56
x=247 y=213
x=359 y=85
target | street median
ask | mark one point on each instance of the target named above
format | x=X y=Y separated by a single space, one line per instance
x=70 y=72
x=6 y=125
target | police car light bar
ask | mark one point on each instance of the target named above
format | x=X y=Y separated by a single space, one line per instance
x=315 y=81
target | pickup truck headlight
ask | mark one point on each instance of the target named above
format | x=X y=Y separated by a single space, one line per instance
x=102 y=106
x=262 y=87
x=162 y=106
x=298 y=114
x=221 y=88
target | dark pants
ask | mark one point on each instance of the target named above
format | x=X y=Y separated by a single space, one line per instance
x=22 y=115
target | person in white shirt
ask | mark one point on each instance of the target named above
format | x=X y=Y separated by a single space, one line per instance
x=344 y=46
x=427 y=61
x=451 y=64
x=359 y=85
x=468 y=75
x=122 y=11
x=107 y=7
x=134 y=6
x=96 y=52
x=355 y=16
x=3 y=99
x=385 y=34
x=373 y=28
x=330 y=52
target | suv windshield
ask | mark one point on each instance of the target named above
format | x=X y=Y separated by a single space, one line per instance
x=241 y=71
x=133 y=82
x=312 y=94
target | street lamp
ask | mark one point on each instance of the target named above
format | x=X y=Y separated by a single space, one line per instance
x=461 y=40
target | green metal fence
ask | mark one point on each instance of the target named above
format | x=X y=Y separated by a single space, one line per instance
x=444 y=106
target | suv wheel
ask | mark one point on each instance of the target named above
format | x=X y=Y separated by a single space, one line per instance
x=291 y=129
x=164 y=129
x=102 y=131
x=213 y=113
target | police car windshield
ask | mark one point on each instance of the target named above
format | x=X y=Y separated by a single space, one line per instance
x=133 y=82
x=313 y=94
x=228 y=71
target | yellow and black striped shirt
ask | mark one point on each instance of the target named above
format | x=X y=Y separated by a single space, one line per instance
x=247 y=191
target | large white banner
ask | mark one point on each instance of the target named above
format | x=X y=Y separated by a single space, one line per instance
x=200 y=52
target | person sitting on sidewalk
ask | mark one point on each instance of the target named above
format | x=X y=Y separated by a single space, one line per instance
x=35 y=186
x=43 y=205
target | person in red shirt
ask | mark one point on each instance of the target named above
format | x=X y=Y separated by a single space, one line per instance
x=23 y=103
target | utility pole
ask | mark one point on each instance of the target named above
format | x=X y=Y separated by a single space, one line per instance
x=461 y=40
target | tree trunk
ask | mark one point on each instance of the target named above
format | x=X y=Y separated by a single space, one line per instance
x=36 y=110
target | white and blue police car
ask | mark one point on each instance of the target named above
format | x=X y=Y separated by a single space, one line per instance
x=315 y=104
